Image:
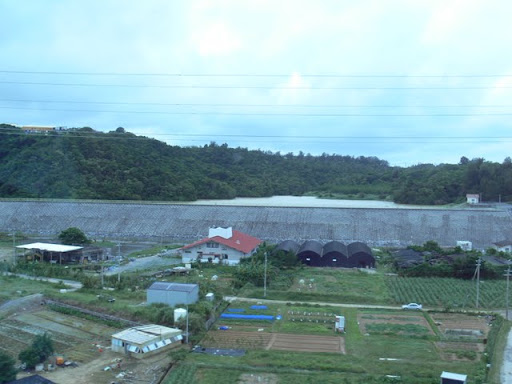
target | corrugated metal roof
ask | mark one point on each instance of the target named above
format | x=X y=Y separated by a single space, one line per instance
x=453 y=376
x=50 y=247
x=144 y=334
x=177 y=287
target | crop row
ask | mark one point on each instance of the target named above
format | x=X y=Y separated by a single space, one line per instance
x=183 y=374
x=447 y=292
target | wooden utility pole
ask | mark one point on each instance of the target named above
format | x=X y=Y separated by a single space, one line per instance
x=14 y=247
x=506 y=296
x=478 y=263
x=265 y=278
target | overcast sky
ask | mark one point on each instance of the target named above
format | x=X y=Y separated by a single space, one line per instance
x=408 y=81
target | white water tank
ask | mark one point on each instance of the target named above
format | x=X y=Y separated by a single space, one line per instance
x=179 y=313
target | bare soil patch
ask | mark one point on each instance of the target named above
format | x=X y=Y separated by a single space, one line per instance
x=459 y=325
x=274 y=341
x=131 y=370
x=236 y=339
x=307 y=343
x=460 y=351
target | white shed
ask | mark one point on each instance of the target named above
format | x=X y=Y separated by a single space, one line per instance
x=453 y=378
x=473 y=198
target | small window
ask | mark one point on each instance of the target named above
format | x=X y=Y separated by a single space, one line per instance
x=308 y=259
x=225 y=257
x=334 y=260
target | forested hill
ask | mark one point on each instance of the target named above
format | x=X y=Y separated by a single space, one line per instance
x=85 y=164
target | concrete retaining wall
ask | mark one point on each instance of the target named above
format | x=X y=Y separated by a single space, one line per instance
x=184 y=223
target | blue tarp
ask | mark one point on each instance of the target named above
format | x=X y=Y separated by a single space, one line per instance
x=236 y=310
x=246 y=317
x=259 y=307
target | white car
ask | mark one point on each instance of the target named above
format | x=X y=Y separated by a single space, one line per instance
x=412 y=306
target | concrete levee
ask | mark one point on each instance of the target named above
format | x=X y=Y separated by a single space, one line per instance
x=184 y=223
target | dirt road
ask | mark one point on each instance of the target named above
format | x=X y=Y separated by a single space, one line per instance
x=236 y=298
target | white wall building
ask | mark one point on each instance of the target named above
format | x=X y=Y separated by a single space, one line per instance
x=503 y=246
x=473 y=198
x=144 y=340
x=223 y=245
x=465 y=245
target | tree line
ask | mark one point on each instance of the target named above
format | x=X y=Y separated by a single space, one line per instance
x=81 y=163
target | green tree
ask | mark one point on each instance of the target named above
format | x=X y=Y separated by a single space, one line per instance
x=29 y=357
x=41 y=348
x=7 y=369
x=73 y=235
x=43 y=345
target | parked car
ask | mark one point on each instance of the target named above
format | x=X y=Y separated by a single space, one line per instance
x=412 y=306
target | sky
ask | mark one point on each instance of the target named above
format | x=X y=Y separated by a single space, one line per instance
x=407 y=81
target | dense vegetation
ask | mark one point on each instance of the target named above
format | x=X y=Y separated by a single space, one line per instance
x=86 y=164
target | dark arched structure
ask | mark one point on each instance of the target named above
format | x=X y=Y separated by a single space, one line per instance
x=335 y=254
x=360 y=256
x=285 y=254
x=288 y=246
x=310 y=253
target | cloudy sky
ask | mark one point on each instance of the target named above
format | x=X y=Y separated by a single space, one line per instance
x=408 y=81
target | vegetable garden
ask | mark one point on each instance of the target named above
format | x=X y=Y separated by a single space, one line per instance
x=446 y=292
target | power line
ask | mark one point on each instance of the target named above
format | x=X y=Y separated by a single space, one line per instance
x=255 y=75
x=372 y=88
x=284 y=114
x=366 y=139
x=252 y=105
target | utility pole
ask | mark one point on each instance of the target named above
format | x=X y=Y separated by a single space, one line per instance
x=14 y=247
x=506 y=297
x=478 y=263
x=265 y=278
x=186 y=335
x=119 y=262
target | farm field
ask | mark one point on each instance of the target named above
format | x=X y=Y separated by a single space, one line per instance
x=447 y=292
x=416 y=346
x=359 y=287
x=74 y=338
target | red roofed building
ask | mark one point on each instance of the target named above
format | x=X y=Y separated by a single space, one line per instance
x=223 y=245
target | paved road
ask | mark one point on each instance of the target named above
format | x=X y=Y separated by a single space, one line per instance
x=144 y=263
x=506 y=368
